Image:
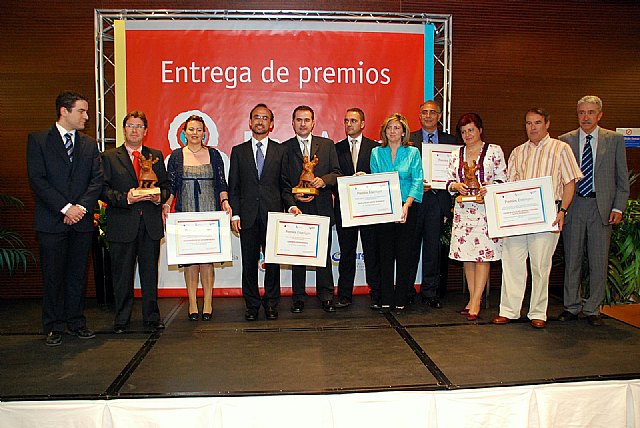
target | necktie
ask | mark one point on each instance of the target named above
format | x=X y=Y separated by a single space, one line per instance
x=586 y=184
x=430 y=138
x=68 y=145
x=305 y=152
x=259 y=159
x=136 y=163
x=354 y=154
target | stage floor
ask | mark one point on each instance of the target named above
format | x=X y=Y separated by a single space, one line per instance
x=354 y=350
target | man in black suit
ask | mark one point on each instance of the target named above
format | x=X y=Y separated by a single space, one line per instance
x=354 y=155
x=432 y=213
x=326 y=172
x=134 y=223
x=65 y=173
x=257 y=185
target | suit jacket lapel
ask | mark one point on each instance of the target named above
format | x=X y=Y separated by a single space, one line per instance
x=125 y=160
x=314 y=147
x=58 y=145
x=601 y=151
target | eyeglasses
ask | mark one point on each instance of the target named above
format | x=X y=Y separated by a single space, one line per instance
x=134 y=126
x=429 y=112
x=261 y=117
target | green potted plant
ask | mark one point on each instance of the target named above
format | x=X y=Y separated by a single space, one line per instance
x=623 y=280
x=13 y=253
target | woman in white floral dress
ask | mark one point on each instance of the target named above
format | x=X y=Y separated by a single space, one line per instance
x=470 y=242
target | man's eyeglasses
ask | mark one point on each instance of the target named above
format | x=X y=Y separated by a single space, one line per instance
x=134 y=126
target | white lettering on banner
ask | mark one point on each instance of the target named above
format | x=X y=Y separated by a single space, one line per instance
x=232 y=76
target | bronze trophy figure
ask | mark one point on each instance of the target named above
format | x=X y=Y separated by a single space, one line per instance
x=148 y=178
x=472 y=184
x=304 y=186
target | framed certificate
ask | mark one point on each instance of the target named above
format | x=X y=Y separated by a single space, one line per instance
x=203 y=237
x=520 y=207
x=370 y=199
x=435 y=162
x=297 y=240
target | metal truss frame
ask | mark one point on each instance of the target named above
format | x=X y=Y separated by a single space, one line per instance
x=106 y=122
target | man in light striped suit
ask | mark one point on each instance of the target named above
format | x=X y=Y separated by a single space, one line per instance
x=540 y=156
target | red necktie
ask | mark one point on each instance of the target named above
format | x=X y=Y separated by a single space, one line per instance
x=136 y=163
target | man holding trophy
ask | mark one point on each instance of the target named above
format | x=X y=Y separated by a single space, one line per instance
x=313 y=164
x=134 y=219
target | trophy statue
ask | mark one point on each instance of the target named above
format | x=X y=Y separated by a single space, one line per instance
x=472 y=184
x=148 y=178
x=304 y=186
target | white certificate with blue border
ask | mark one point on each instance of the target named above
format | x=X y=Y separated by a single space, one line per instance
x=201 y=237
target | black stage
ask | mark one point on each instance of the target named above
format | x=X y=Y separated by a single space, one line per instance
x=353 y=350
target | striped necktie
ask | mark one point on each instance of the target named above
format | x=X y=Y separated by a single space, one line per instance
x=585 y=186
x=430 y=139
x=305 y=152
x=68 y=145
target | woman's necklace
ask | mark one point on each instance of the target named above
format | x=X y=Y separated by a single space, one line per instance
x=197 y=151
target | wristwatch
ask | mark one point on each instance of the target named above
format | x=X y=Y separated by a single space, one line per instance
x=564 y=210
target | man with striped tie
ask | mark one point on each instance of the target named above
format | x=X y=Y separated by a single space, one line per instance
x=539 y=157
x=65 y=173
x=600 y=198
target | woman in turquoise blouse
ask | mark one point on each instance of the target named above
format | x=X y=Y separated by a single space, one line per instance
x=397 y=154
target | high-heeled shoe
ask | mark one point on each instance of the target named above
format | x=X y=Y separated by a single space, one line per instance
x=194 y=316
x=464 y=311
x=473 y=317
x=206 y=316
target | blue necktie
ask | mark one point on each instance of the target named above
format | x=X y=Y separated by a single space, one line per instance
x=68 y=145
x=586 y=184
x=259 y=159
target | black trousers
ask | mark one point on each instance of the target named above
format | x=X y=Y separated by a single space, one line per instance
x=124 y=255
x=348 y=240
x=63 y=258
x=253 y=239
x=395 y=245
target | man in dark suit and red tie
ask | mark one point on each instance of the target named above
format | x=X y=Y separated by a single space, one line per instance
x=134 y=222
x=600 y=198
x=354 y=156
x=258 y=185
x=65 y=173
x=431 y=213
x=326 y=172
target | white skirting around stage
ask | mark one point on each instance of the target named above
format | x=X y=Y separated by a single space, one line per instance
x=610 y=404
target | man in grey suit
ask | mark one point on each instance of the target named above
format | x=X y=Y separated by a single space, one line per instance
x=434 y=210
x=257 y=185
x=326 y=173
x=600 y=198
x=66 y=176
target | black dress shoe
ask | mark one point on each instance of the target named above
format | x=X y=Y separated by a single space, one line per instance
x=375 y=306
x=206 y=316
x=434 y=302
x=271 y=313
x=119 y=329
x=297 y=307
x=594 y=320
x=251 y=314
x=156 y=325
x=328 y=306
x=83 y=333
x=194 y=316
x=53 y=338
x=567 y=316
x=385 y=309
x=343 y=302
